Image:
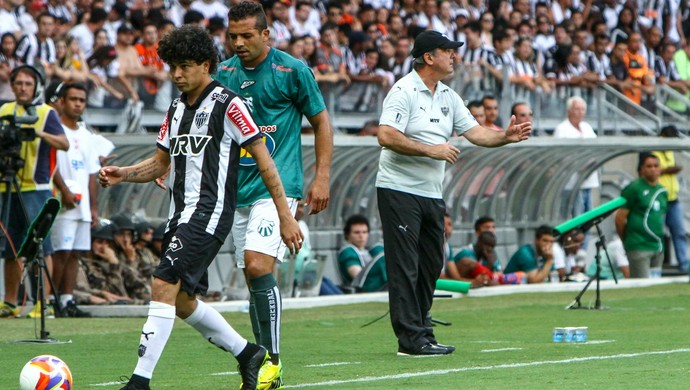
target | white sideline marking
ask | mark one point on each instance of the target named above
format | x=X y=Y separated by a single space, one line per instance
x=331 y=364
x=600 y=342
x=501 y=349
x=484 y=368
x=106 y=384
x=225 y=373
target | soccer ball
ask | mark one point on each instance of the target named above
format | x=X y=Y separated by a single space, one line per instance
x=45 y=372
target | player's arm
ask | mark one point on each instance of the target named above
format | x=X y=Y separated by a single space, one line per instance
x=318 y=195
x=145 y=171
x=289 y=229
x=621 y=222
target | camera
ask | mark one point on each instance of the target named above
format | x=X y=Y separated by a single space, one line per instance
x=12 y=134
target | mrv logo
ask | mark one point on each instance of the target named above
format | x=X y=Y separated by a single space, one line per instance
x=188 y=144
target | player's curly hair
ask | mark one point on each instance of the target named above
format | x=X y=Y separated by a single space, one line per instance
x=247 y=9
x=188 y=43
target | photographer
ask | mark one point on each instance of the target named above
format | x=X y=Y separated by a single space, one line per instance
x=26 y=154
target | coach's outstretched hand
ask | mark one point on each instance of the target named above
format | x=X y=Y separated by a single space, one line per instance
x=519 y=132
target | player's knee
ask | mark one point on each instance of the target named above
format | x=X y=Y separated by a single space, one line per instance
x=256 y=266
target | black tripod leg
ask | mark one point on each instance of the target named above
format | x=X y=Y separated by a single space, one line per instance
x=576 y=301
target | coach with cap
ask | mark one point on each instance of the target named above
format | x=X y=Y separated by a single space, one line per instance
x=420 y=113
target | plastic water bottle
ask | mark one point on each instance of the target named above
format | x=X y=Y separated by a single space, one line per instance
x=554 y=277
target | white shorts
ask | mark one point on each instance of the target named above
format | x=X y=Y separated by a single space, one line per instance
x=257 y=228
x=71 y=234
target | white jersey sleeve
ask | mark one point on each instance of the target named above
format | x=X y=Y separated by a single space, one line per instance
x=396 y=109
x=239 y=123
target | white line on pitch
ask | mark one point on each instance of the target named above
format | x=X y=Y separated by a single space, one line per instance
x=484 y=368
x=599 y=342
x=501 y=349
x=106 y=384
x=224 y=373
x=331 y=364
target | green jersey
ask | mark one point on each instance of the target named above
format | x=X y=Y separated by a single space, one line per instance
x=350 y=255
x=644 y=230
x=525 y=260
x=469 y=252
x=278 y=92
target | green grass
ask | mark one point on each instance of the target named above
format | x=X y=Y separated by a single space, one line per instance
x=636 y=323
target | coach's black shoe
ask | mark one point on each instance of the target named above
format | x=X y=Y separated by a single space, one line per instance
x=450 y=348
x=249 y=366
x=71 y=310
x=426 y=350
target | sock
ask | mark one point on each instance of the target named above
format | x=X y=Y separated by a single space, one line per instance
x=214 y=328
x=10 y=305
x=51 y=298
x=254 y=319
x=268 y=304
x=154 y=335
x=249 y=350
x=64 y=299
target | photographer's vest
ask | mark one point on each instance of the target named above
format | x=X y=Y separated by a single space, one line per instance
x=39 y=157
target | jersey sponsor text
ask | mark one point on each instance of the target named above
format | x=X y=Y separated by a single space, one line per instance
x=188 y=144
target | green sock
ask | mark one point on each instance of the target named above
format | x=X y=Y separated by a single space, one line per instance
x=268 y=307
x=254 y=319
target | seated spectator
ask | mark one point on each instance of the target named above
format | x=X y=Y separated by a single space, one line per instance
x=401 y=63
x=478 y=264
x=526 y=75
x=355 y=258
x=142 y=240
x=136 y=284
x=156 y=245
x=100 y=275
x=535 y=260
x=667 y=71
x=568 y=256
x=491 y=112
x=156 y=86
x=477 y=110
x=619 y=260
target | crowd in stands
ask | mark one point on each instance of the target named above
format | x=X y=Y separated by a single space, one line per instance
x=560 y=46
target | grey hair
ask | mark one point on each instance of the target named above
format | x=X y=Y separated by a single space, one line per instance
x=571 y=100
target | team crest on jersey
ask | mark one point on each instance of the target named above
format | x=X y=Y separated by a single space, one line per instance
x=247 y=83
x=174 y=102
x=221 y=97
x=445 y=111
x=266 y=228
x=246 y=159
x=188 y=144
x=200 y=119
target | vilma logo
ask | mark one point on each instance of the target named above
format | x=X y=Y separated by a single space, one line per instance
x=266 y=228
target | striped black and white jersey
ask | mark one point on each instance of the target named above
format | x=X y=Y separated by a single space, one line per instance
x=204 y=141
x=30 y=49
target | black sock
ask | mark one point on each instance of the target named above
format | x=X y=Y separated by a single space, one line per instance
x=139 y=380
x=10 y=305
x=247 y=353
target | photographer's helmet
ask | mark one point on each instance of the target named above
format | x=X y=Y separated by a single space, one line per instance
x=38 y=78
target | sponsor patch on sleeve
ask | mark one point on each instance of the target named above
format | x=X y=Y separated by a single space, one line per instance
x=164 y=129
x=240 y=118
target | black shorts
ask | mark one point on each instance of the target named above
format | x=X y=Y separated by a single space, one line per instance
x=187 y=254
